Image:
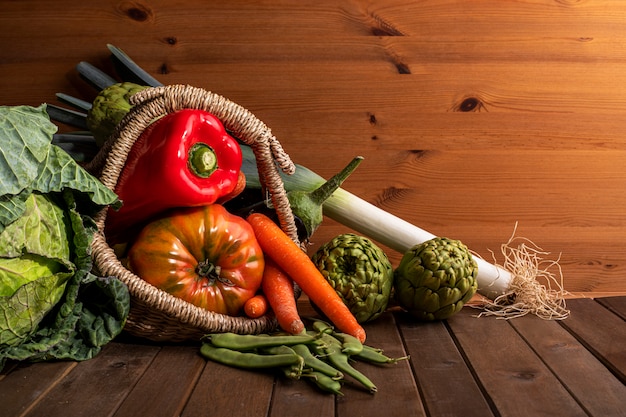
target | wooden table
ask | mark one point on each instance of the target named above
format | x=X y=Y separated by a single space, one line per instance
x=465 y=366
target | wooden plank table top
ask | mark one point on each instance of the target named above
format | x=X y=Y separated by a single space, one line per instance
x=464 y=366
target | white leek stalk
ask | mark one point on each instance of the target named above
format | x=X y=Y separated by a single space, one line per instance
x=400 y=235
x=375 y=223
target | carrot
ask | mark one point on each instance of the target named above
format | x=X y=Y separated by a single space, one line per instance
x=295 y=262
x=256 y=306
x=278 y=289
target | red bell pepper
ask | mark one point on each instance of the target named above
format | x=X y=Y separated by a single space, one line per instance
x=184 y=159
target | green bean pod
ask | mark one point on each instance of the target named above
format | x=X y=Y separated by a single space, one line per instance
x=376 y=356
x=245 y=342
x=321 y=326
x=248 y=360
x=316 y=364
x=293 y=371
x=350 y=345
x=339 y=360
x=325 y=383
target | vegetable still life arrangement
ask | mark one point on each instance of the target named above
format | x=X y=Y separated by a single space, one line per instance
x=186 y=212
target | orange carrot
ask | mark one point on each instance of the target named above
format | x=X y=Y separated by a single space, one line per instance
x=256 y=306
x=295 y=262
x=278 y=289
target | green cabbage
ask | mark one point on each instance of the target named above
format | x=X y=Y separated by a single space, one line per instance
x=51 y=305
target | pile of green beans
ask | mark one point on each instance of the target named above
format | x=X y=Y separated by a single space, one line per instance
x=320 y=355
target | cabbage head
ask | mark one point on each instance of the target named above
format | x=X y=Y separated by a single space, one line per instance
x=34 y=268
x=51 y=305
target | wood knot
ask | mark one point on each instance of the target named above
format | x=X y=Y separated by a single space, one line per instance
x=469 y=104
x=136 y=11
x=381 y=27
x=391 y=194
x=164 y=69
x=525 y=375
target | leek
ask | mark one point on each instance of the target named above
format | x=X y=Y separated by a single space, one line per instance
x=373 y=222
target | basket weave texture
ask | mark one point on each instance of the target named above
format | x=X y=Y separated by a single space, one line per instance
x=155 y=314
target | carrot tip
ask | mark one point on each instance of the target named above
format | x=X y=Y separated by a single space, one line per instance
x=360 y=334
x=296 y=327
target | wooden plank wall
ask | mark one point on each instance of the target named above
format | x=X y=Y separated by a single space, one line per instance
x=472 y=116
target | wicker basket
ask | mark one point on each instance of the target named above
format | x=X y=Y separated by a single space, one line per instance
x=155 y=314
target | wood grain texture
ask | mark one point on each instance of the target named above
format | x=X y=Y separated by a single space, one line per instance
x=442 y=370
x=400 y=394
x=604 y=331
x=173 y=374
x=472 y=116
x=221 y=388
x=511 y=377
x=114 y=372
x=573 y=364
x=466 y=365
x=30 y=385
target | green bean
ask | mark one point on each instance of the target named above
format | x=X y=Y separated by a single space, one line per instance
x=319 y=345
x=247 y=360
x=350 y=345
x=373 y=355
x=322 y=327
x=277 y=350
x=340 y=361
x=293 y=371
x=316 y=364
x=325 y=383
x=250 y=341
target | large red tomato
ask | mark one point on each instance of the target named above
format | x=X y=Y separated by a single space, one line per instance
x=204 y=255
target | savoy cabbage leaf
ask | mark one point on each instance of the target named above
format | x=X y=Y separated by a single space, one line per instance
x=30 y=162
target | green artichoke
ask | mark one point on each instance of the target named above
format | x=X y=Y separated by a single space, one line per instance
x=360 y=273
x=108 y=109
x=435 y=279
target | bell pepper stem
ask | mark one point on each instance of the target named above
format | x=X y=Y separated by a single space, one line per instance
x=202 y=160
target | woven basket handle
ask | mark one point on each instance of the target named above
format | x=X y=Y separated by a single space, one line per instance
x=152 y=103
